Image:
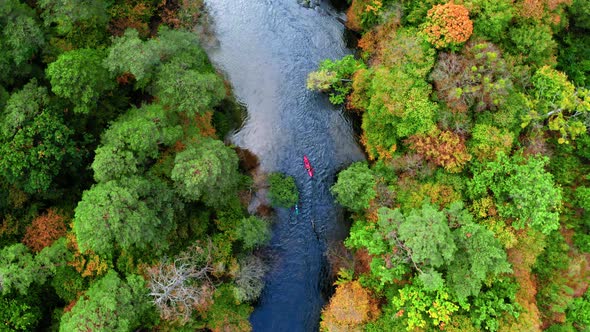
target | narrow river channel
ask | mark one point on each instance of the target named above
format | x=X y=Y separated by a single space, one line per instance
x=266 y=48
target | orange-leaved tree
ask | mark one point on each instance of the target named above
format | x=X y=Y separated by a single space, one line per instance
x=350 y=308
x=443 y=148
x=447 y=25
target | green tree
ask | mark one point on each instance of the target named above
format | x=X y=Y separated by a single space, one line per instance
x=398 y=106
x=253 y=232
x=34 y=141
x=355 y=187
x=572 y=58
x=335 y=76
x=69 y=15
x=426 y=237
x=110 y=304
x=128 y=132
x=380 y=239
x=226 y=314
x=532 y=41
x=488 y=140
x=208 y=171
x=490 y=18
x=522 y=190
x=131 y=213
x=79 y=77
x=423 y=308
x=126 y=149
x=20 y=39
x=283 y=190
x=18 y=315
x=19 y=269
x=555 y=98
x=577 y=312
x=129 y=54
x=111 y=163
x=187 y=90
x=481 y=257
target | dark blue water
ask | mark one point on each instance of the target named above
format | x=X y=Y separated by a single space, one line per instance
x=266 y=48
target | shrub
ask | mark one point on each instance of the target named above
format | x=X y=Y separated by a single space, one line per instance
x=283 y=191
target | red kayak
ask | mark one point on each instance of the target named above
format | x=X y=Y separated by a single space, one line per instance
x=308 y=166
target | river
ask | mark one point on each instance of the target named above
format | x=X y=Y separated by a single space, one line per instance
x=266 y=48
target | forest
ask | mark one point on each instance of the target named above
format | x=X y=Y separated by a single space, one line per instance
x=120 y=207
x=472 y=212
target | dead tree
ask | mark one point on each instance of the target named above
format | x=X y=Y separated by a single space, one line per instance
x=182 y=285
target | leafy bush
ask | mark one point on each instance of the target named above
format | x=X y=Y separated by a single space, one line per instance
x=283 y=191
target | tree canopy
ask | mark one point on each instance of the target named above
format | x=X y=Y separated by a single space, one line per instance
x=110 y=304
x=79 y=76
x=206 y=171
x=131 y=213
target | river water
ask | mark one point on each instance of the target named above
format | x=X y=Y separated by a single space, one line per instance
x=266 y=48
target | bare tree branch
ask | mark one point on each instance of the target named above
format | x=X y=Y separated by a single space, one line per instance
x=183 y=285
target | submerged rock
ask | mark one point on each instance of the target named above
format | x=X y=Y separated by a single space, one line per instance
x=309 y=3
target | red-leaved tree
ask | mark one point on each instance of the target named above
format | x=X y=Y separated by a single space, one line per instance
x=44 y=230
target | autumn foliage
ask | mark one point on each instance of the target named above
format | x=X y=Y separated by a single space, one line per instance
x=522 y=257
x=44 y=230
x=88 y=264
x=476 y=78
x=549 y=11
x=443 y=148
x=363 y=14
x=349 y=308
x=447 y=25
